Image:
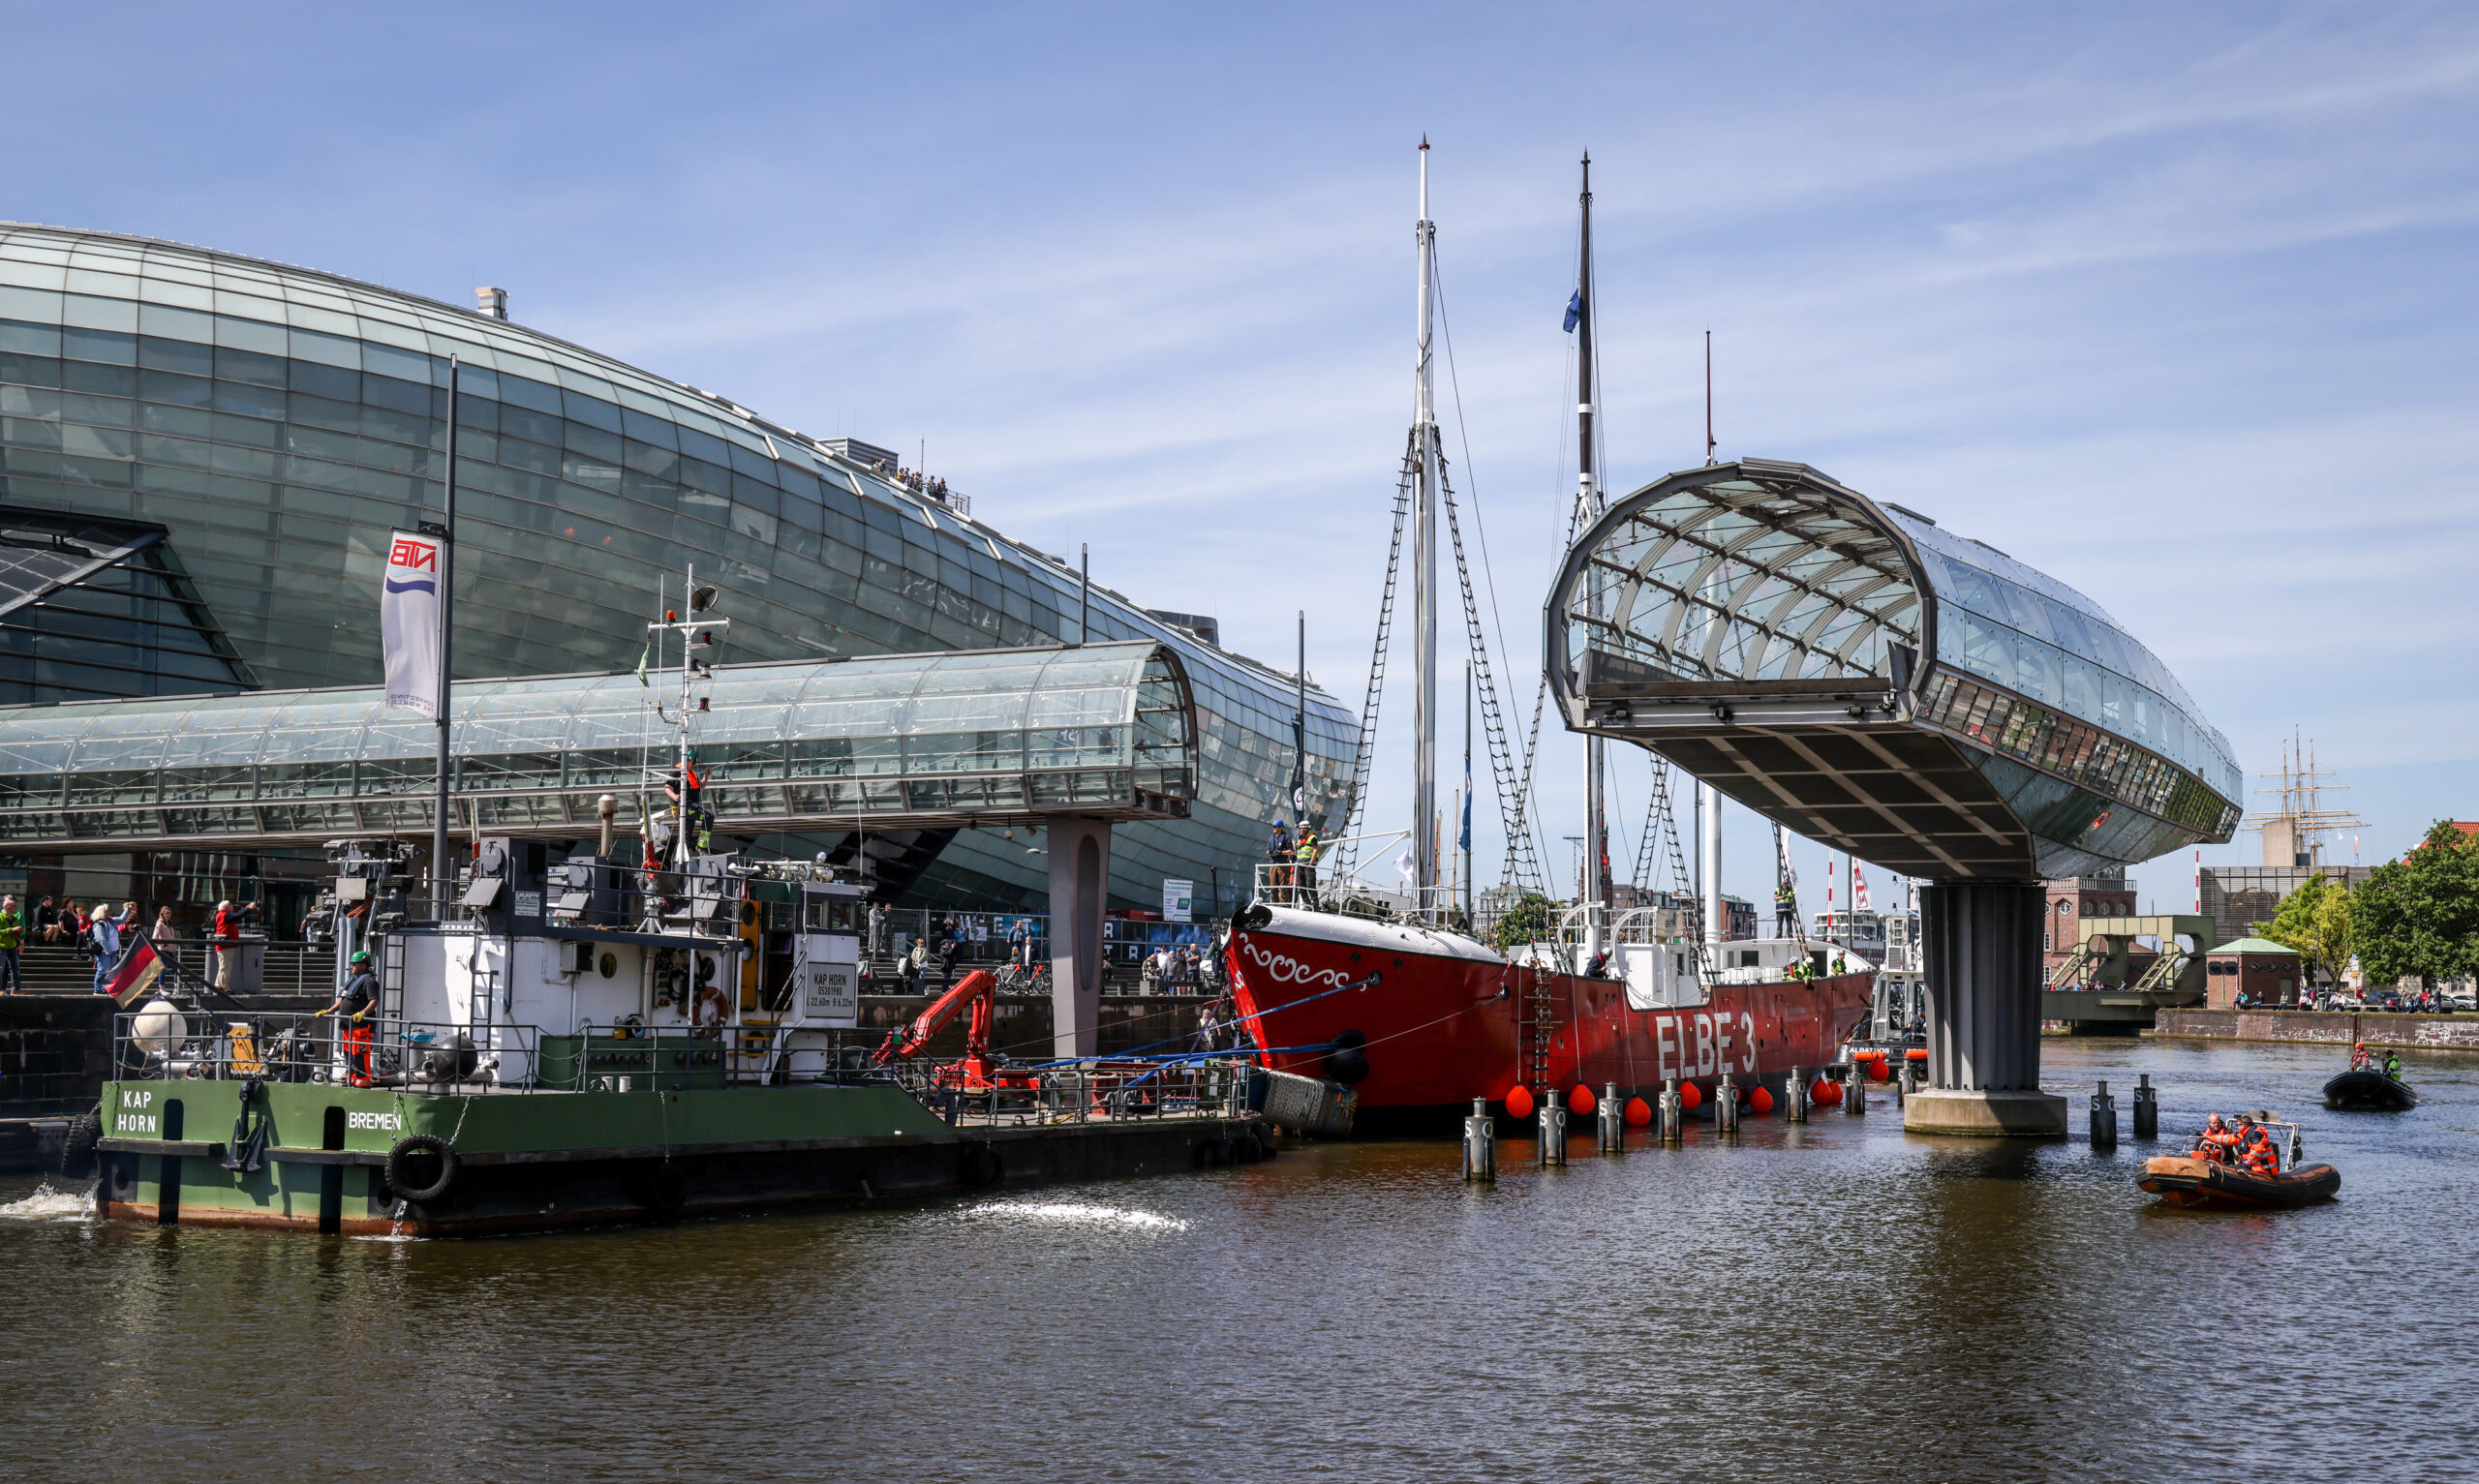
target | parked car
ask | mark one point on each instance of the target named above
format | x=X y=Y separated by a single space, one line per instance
x=2463 y=999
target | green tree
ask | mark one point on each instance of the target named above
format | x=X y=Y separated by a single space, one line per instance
x=2315 y=920
x=1528 y=921
x=2420 y=915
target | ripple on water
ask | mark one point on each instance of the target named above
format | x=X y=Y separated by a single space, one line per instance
x=1076 y=1213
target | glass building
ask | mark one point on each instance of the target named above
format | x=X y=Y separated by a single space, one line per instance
x=1877 y=683
x=278 y=423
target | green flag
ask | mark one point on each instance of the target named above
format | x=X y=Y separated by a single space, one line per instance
x=643 y=655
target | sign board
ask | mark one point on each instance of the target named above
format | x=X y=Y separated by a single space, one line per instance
x=829 y=987
x=1178 y=900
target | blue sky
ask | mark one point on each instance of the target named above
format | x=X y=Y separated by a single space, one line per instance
x=2173 y=302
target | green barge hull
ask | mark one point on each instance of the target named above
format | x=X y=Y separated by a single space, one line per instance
x=544 y=1159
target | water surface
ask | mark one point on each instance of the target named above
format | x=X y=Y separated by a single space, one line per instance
x=1834 y=1300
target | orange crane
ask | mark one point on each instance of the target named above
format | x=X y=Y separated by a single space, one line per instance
x=976 y=1073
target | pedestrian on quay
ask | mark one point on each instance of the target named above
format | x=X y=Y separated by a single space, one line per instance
x=917 y=964
x=950 y=945
x=71 y=925
x=45 y=923
x=12 y=929
x=105 y=934
x=164 y=935
x=1209 y=1030
x=878 y=929
x=1020 y=943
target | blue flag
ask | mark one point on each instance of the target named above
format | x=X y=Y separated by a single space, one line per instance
x=1575 y=311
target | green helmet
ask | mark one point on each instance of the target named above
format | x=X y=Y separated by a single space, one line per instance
x=360 y=956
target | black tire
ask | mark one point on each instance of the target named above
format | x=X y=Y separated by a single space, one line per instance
x=78 y=1148
x=421 y=1147
x=979 y=1167
x=661 y=1189
x=1268 y=1143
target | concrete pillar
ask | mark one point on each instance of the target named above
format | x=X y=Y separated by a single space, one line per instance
x=1080 y=888
x=1980 y=950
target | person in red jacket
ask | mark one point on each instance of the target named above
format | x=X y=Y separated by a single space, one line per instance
x=2217 y=1142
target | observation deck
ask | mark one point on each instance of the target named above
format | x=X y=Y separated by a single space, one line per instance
x=1875 y=682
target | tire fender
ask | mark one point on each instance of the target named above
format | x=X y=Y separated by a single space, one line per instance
x=78 y=1148
x=417 y=1144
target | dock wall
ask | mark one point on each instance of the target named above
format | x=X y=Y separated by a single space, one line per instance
x=2408 y=1033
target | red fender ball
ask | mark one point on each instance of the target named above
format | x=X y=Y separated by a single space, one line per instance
x=1824 y=1094
x=1581 y=1102
x=1880 y=1070
x=1638 y=1113
x=1760 y=1100
x=1689 y=1098
x=1520 y=1102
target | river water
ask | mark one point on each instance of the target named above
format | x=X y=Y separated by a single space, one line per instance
x=1838 y=1300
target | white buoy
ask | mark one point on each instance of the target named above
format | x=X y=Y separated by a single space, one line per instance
x=160 y=1029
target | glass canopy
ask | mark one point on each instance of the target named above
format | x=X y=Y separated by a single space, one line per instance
x=989 y=736
x=1763 y=596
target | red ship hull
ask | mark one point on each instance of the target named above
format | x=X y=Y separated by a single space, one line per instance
x=1440 y=1020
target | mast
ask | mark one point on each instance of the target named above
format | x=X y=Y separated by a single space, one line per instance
x=1424 y=439
x=439 y=884
x=1299 y=736
x=1463 y=811
x=1708 y=798
x=1594 y=889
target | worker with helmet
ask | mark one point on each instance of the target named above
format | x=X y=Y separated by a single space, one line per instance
x=355 y=1005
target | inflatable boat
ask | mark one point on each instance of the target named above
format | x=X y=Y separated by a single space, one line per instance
x=2366 y=1090
x=2192 y=1180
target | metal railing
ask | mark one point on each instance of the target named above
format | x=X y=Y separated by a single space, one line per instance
x=169 y=1045
x=1100 y=1090
x=1314 y=889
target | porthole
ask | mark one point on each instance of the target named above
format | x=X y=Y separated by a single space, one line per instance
x=610 y=965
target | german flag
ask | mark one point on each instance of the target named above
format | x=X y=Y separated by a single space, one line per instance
x=134 y=978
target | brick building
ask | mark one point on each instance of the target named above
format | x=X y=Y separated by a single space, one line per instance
x=2264 y=971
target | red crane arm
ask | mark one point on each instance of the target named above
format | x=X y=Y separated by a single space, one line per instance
x=977 y=989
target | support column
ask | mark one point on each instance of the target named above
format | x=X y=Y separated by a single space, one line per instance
x=1080 y=888
x=1981 y=954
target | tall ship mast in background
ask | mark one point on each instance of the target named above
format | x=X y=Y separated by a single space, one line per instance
x=1391 y=993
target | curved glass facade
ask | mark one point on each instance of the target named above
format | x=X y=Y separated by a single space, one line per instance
x=994 y=735
x=280 y=422
x=1757 y=585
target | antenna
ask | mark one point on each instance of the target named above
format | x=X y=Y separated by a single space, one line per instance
x=1708 y=398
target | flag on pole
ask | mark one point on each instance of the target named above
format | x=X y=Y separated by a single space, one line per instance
x=134 y=978
x=408 y=623
x=1859 y=888
x=1405 y=862
x=1575 y=311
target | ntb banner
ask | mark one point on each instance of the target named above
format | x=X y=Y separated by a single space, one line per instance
x=409 y=622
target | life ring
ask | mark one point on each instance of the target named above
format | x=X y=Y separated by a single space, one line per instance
x=414 y=1146
x=711 y=1009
